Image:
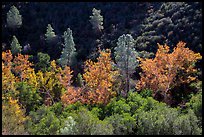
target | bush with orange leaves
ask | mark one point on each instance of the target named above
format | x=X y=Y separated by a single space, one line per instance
x=168 y=70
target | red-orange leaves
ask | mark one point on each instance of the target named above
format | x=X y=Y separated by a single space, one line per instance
x=72 y=95
x=65 y=76
x=168 y=70
x=21 y=64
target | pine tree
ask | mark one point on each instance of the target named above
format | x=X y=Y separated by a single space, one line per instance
x=125 y=57
x=15 y=46
x=50 y=34
x=96 y=20
x=14 y=19
x=68 y=55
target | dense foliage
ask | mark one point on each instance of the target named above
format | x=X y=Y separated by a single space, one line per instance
x=95 y=68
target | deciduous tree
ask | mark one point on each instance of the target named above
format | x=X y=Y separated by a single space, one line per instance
x=168 y=70
x=99 y=77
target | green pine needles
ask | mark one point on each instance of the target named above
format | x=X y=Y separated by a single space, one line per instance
x=96 y=20
x=125 y=57
x=15 y=46
x=50 y=34
x=68 y=56
x=14 y=19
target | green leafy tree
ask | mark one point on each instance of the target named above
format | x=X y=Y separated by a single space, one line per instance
x=43 y=61
x=28 y=97
x=50 y=34
x=15 y=46
x=125 y=57
x=80 y=80
x=68 y=56
x=96 y=20
x=14 y=19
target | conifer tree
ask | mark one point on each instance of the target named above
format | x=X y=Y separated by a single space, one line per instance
x=125 y=57
x=14 y=19
x=15 y=46
x=96 y=20
x=68 y=55
x=50 y=34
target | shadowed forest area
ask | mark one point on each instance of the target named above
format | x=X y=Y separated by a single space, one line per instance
x=102 y=68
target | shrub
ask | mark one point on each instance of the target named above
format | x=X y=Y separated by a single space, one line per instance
x=163 y=120
x=43 y=122
x=123 y=123
x=186 y=124
x=146 y=93
x=69 y=127
x=117 y=107
x=155 y=122
x=88 y=123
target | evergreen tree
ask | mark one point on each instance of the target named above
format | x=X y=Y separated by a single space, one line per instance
x=125 y=57
x=96 y=20
x=14 y=19
x=68 y=55
x=15 y=46
x=50 y=34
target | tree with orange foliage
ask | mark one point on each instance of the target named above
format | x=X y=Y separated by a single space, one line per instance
x=99 y=77
x=8 y=79
x=21 y=66
x=72 y=95
x=168 y=70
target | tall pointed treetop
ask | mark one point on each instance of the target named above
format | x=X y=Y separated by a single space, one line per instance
x=14 y=19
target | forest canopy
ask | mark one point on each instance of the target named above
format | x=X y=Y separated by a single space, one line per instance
x=101 y=68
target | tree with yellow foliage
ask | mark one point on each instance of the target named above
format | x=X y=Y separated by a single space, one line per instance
x=13 y=118
x=168 y=70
